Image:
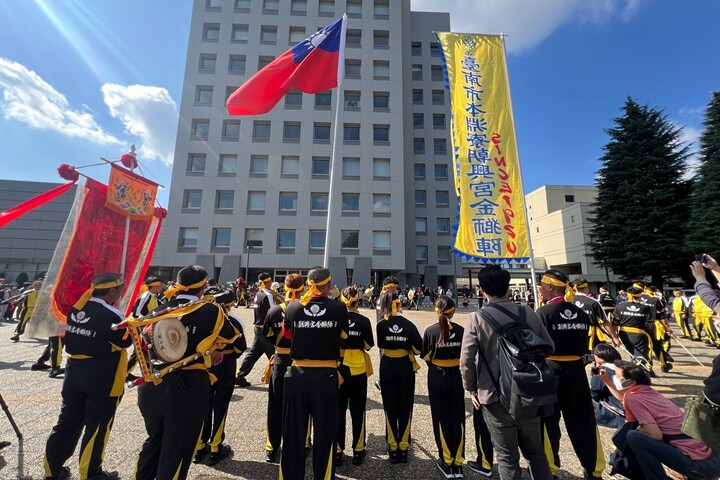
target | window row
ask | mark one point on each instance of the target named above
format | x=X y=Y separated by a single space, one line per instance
x=442 y=198
x=289 y=165
x=442 y=225
x=326 y=8
x=443 y=253
x=416 y=49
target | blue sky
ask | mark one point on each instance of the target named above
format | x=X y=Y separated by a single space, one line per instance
x=81 y=80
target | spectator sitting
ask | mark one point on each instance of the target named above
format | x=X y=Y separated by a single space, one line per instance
x=608 y=409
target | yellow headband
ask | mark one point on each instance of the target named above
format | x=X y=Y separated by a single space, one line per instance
x=263 y=282
x=291 y=293
x=637 y=285
x=446 y=312
x=388 y=285
x=80 y=304
x=582 y=285
x=147 y=286
x=349 y=301
x=569 y=292
x=313 y=290
x=171 y=292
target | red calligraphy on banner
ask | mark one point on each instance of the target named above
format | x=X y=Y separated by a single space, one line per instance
x=509 y=211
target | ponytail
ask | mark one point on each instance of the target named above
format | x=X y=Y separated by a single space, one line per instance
x=445 y=308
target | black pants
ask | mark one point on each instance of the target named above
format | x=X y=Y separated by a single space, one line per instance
x=86 y=404
x=276 y=391
x=352 y=394
x=447 y=409
x=637 y=344
x=397 y=383
x=52 y=352
x=575 y=405
x=174 y=412
x=213 y=432
x=483 y=440
x=658 y=347
x=20 y=327
x=261 y=345
x=309 y=392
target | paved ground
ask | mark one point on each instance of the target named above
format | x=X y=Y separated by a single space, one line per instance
x=34 y=402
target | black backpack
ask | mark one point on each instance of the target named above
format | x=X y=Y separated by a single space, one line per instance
x=528 y=381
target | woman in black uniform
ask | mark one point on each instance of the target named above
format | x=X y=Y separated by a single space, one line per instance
x=400 y=341
x=441 y=350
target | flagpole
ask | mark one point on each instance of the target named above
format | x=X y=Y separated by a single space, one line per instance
x=127 y=223
x=333 y=175
x=522 y=180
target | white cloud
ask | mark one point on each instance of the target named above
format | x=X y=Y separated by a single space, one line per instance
x=527 y=23
x=29 y=99
x=146 y=112
x=691 y=136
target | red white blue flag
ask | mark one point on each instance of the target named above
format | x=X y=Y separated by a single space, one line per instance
x=313 y=65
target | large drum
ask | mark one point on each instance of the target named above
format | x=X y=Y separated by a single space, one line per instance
x=168 y=339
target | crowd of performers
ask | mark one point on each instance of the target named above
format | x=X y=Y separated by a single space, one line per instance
x=187 y=344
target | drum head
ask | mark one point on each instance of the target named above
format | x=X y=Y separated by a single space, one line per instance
x=169 y=339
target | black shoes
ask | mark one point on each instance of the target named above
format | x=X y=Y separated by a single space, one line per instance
x=358 y=457
x=446 y=470
x=105 y=476
x=63 y=475
x=652 y=374
x=15 y=338
x=217 y=457
x=667 y=367
x=241 y=382
x=478 y=468
x=339 y=459
x=457 y=471
x=39 y=366
x=201 y=455
x=56 y=372
x=393 y=456
x=403 y=456
x=270 y=456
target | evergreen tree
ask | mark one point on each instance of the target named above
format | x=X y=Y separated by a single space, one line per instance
x=703 y=235
x=642 y=196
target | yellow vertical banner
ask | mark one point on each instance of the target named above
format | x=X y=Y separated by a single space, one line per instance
x=491 y=221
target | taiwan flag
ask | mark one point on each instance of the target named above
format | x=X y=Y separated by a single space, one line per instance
x=313 y=65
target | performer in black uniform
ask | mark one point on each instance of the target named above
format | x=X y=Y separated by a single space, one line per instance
x=633 y=319
x=601 y=328
x=264 y=300
x=146 y=303
x=607 y=302
x=279 y=363
x=316 y=323
x=659 y=329
x=441 y=350
x=213 y=432
x=174 y=410
x=355 y=368
x=568 y=326
x=25 y=307
x=400 y=341
x=94 y=381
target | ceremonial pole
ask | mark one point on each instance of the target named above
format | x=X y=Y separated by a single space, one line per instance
x=333 y=177
x=127 y=222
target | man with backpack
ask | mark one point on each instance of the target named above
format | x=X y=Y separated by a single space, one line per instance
x=481 y=367
x=569 y=327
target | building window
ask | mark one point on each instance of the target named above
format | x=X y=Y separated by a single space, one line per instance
x=381 y=167
x=442 y=225
x=188 y=237
x=421 y=253
x=291 y=131
x=293 y=99
x=192 y=199
x=270 y=6
x=443 y=253
x=352 y=99
x=349 y=238
x=354 y=8
x=261 y=131
x=351 y=167
x=381 y=133
x=298 y=7
x=417 y=72
x=419 y=145
x=418 y=120
x=254 y=237
x=213 y=4
x=258 y=164
x=420 y=198
x=200 y=128
x=381 y=240
x=242 y=5
x=417 y=96
x=211 y=32
x=203 y=95
x=229 y=91
x=196 y=162
x=323 y=101
x=288 y=201
x=442 y=198
x=434 y=49
x=436 y=73
x=321 y=166
x=438 y=97
x=381 y=39
x=351 y=132
x=381 y=69
x=441 y=171
x=290 y=165
x=318 y=202
x=321 y=131
x=416 y=49
x=286 y=239
x=381 y=203
x=419 y=171
x=353 y=38
x=224 y=199
x=350 y=202
x=237 y=64
x=239 y=34
x=569 y=198
x=439 y=121
x=381 y=9
x=439 y=146
x=231 y=130
x=381 y=100
x=264 y=61
x=317 y=239
x=352 y=68
x=268 y=34
x=421 y=225
x=207 y=62
x=297 y=34
x=256 y=201
x=221 y=237
x=326 y=8
x=227 y=164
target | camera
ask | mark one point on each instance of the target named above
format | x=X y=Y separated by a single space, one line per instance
x=702 y=258
x=595 y=370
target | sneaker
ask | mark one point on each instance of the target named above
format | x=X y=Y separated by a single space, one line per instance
x=56 y=372
x=457 y=471
x=131 y=378
x=478 y=468
x=15 y=338
x=393 y=456
x=39 y=366
x=358 y=457
x=270 y=456
x=652 y=374
x=339 y=459
x=4 y=444
x=241 y=382
x=403 y=456
x=105 y=476
x=201 y=455
x=446 y=470
x=217 y=457
x=63 y=475
x=667 y=367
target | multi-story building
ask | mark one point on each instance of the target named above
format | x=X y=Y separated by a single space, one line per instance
x=251 y=193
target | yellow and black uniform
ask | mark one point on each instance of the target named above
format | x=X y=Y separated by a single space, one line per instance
x=680 y=312
x=354 y=368
x=311 y=384
x=445 y=391
x=607 y=302
x=93 y=387
x=25 y=309
x=174 y=410
x=52 y=352
x=632 y=319
x=146 y=303
x=568 y=326
x=703 y=319
x=400 y=341
x=656 y=328
x=264 y=300
x=595 y=312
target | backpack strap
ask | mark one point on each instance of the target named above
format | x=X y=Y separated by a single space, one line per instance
x=495 y=326
x=520 y=319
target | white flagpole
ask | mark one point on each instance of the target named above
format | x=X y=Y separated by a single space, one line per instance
x=522 y=181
